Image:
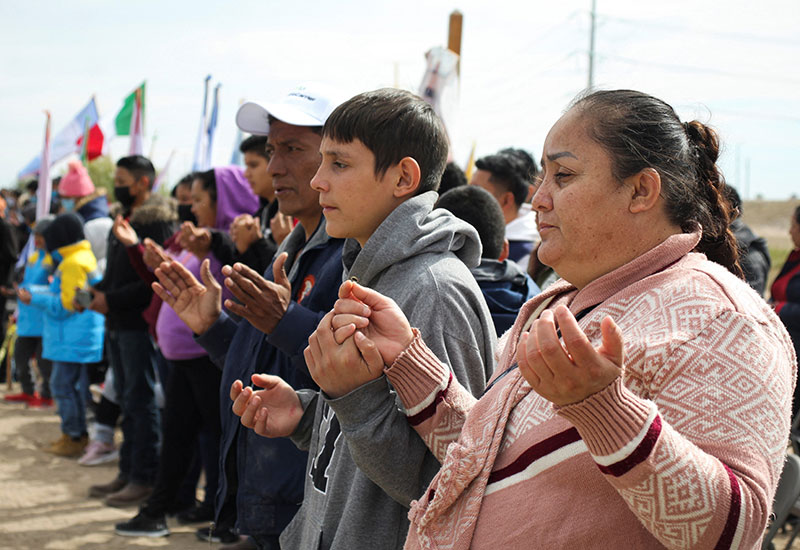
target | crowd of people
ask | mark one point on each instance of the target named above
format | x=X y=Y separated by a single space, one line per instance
x=357 y=346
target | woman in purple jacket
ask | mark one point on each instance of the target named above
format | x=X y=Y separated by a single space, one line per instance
x=192 y=390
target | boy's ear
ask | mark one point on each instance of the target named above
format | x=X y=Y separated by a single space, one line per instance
x=408 y=177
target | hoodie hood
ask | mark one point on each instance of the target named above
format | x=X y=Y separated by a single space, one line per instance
x=506 y=287
x=93 y=206
x=412 y=229
x=234 y=196
x=66 y=229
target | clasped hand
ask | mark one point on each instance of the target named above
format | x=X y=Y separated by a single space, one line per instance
x=352 y=343
x=568 y=372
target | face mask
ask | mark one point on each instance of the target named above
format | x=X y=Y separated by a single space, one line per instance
x=123 y=194
x=185 y=213
x=68 y=204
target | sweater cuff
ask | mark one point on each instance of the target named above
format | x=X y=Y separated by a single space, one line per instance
x=611 y=420
x=417 y=375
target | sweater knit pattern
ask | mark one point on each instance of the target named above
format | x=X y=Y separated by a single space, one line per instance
x=683 y=451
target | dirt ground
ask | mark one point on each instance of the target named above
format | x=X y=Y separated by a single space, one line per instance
x=43 y=498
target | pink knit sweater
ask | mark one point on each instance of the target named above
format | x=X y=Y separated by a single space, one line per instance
x=683 y=451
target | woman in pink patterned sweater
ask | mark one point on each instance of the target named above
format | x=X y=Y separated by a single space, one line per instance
x=643 y=401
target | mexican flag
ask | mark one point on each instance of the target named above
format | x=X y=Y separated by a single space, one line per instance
x=128 y=121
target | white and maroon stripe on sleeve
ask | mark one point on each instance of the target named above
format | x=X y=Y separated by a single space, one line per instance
x=634 y=452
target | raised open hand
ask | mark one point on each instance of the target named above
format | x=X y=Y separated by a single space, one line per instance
x=263 y=302
x=569 y=372
x=198 y=305
x=124 y=232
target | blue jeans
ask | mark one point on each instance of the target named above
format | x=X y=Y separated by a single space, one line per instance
x=69 y=383
x=132 y=357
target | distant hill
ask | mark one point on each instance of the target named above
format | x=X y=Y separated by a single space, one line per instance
x=771 y=220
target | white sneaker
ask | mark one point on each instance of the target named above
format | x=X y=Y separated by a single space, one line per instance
x=98 y=452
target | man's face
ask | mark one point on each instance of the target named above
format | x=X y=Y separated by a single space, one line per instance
x=482 y=178
x=258 y=175
x=295 y=159
x=123 y=178
x=354 y=200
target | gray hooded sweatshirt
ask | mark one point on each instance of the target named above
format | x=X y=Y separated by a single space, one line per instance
x=366 y=463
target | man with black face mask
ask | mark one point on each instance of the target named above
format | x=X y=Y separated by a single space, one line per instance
x=122 y=296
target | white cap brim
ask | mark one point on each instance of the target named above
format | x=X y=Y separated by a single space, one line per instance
x=254 y=118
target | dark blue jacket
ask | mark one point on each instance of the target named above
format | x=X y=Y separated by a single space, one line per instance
x=269 y=472
x=505 y=287
x=95 y=207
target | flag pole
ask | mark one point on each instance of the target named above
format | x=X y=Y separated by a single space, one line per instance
x=454 y=36
x=45 y=187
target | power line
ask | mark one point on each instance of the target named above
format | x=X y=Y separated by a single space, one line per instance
x=701 y=70
x=721 y=34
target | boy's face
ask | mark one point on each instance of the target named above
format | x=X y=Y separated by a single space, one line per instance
x=257 y=175
x=354 y=200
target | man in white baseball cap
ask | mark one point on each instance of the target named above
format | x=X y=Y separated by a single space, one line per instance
x=262 y=479
x=304 y=106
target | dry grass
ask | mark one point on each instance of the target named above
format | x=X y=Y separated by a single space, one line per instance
x=771 y=220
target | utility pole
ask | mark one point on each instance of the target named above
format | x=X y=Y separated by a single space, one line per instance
x=454 y=36
x=593 y=17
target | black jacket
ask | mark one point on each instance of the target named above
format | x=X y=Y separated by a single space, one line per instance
x=127 y=295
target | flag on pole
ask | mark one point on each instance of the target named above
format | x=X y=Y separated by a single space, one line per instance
x=437 y=85
x=136 y=124
x=212 y=126
x=84 y=143
x=124 y=121
x=67 y=141
x=161 y=176
x=236 y=156
x=200 y=146
x=45 y=189
x=470 y=169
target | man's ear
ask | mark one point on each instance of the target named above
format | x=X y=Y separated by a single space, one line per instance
x=143 y=184
x=645 y=190
x=408 y=176
x=504 y=253
x=507 y=201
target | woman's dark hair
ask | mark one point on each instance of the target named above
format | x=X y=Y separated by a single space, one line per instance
x=209 y=182
x=796 y=214
x=639 y=131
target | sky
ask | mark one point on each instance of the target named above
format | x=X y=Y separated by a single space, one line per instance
x=733 y=65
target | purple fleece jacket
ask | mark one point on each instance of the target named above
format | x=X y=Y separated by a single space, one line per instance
x=234 y=197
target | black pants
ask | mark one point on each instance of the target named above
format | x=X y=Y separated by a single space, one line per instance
x=26 y=348
x=191 y=404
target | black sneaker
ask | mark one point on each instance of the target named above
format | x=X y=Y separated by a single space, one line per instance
x=209 y=534
x=196 y=514
x=143 y=525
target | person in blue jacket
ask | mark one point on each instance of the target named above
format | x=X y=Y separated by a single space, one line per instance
x=30 y=322
x=71 y=339
x=505 y=286
x=261 y=480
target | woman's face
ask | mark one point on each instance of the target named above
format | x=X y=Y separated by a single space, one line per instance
x=203 y=208
x=581 y=208
x=794 y=231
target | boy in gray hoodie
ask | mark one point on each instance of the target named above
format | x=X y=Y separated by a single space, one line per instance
x=383 y=153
